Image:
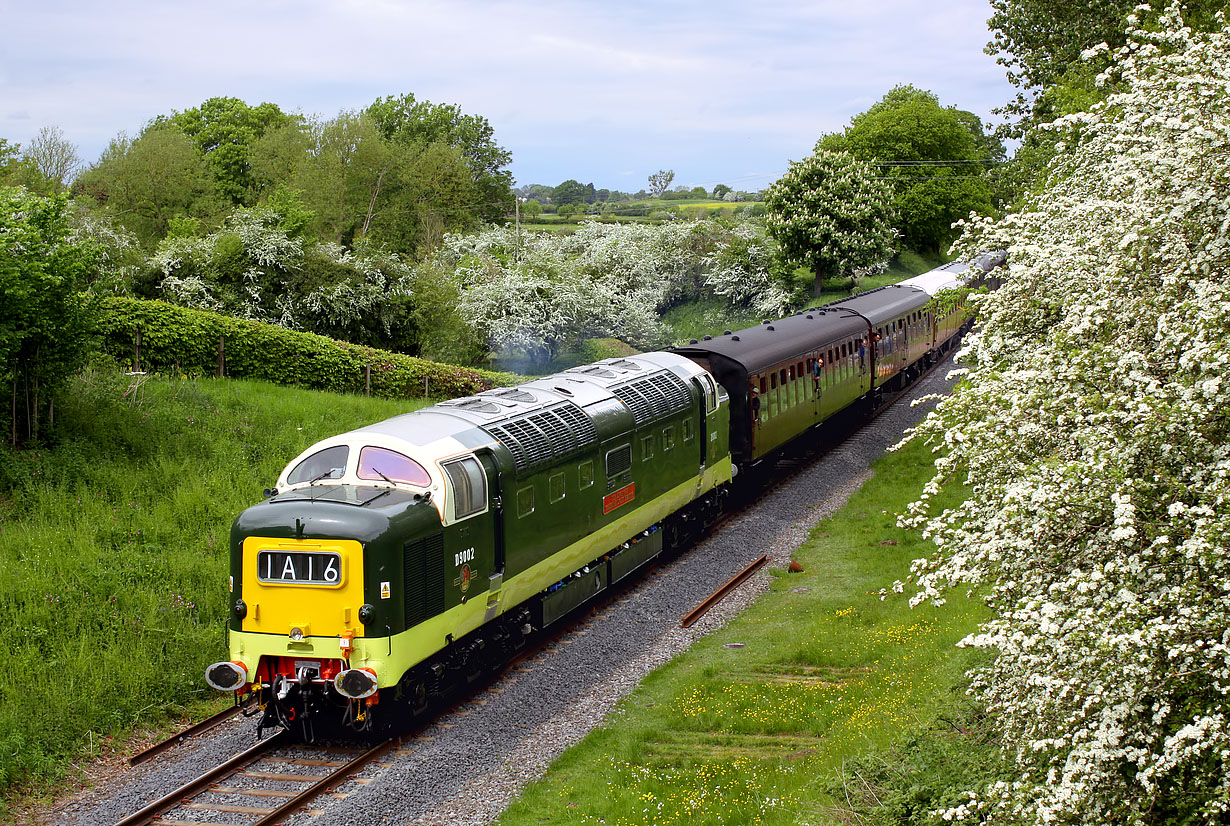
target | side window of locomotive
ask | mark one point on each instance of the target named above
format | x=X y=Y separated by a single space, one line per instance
x=380 y=464
x=585 y=474
x=687 y=430
x=469 y=487
x=646 y=447
x=329 y=463
x=525 y=502
x=556 y=486
x=668 y=438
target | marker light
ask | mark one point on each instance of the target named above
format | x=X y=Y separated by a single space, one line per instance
x=356 y=683
x=227 y=676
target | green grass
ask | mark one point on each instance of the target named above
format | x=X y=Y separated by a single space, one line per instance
x=706 y=316
x=114 y=547
x=829 y=673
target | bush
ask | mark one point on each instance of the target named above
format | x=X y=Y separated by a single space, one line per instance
x=180 y=340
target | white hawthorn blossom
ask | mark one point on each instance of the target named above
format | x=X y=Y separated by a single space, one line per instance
x=532 y=294
x=1093 y=432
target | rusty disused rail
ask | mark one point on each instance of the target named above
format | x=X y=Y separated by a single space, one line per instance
x=717 y=596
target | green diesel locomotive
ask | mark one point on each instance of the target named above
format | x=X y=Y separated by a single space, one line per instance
x=398 y=560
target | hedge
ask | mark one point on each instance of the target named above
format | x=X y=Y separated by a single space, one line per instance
x=156 y=336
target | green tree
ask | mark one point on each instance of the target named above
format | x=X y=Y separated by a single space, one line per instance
x=830 y=213
x=531 y=208
x=406 y=121
x=660 y=181
x=224 y=129
x=45 y=316
x=719 y=191
x=935 y=158
x=145 y=183
x=569 y=192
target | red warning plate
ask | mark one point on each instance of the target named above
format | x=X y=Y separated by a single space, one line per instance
x=619 y=498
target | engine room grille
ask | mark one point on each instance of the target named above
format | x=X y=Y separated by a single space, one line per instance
x=653 y=397
x=545 y=436
x=423 y=578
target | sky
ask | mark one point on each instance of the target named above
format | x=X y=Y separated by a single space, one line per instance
x=603 y=91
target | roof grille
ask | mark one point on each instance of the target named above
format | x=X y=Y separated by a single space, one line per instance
x=514 y=394
x=545 y=436
x=653 y=397
x=594 y=370
x=473 y=404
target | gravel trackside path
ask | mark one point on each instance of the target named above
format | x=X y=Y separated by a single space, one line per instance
x=468 y=765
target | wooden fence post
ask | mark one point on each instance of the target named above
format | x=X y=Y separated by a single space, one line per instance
x=221 y=356
x=136 y=354
x=367 y=380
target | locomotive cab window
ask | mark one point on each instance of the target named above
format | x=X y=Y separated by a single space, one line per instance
x=469 y=486
x=329 y=463
x=379 y=464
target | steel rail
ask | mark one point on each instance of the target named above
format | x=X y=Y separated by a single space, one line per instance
x=175 y=798
x=333 y=778
x=718 y=595
x=193 y=730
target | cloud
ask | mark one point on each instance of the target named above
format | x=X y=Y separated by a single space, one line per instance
x=573 y=88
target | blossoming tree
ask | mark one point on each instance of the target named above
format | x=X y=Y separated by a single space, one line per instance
x=830 y=213
x=1091 y=430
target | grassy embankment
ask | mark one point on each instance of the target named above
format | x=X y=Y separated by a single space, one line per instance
x=760 y=734
x=114 y=547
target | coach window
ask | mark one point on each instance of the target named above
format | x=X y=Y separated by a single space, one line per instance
x=556 y=486
x=783 y=376
x=525 y=502
x=772 y=381
x=763 y=388
x=469 y=485
x=585 y=474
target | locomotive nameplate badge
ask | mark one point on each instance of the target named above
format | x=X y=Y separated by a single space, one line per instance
x=385 y=590
x=621 y=497
x=465 y=578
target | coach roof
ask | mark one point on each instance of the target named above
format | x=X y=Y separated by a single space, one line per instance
x=774 y=342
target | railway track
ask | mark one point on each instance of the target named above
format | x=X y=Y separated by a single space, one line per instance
x=262 y=785
x=278 y=779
